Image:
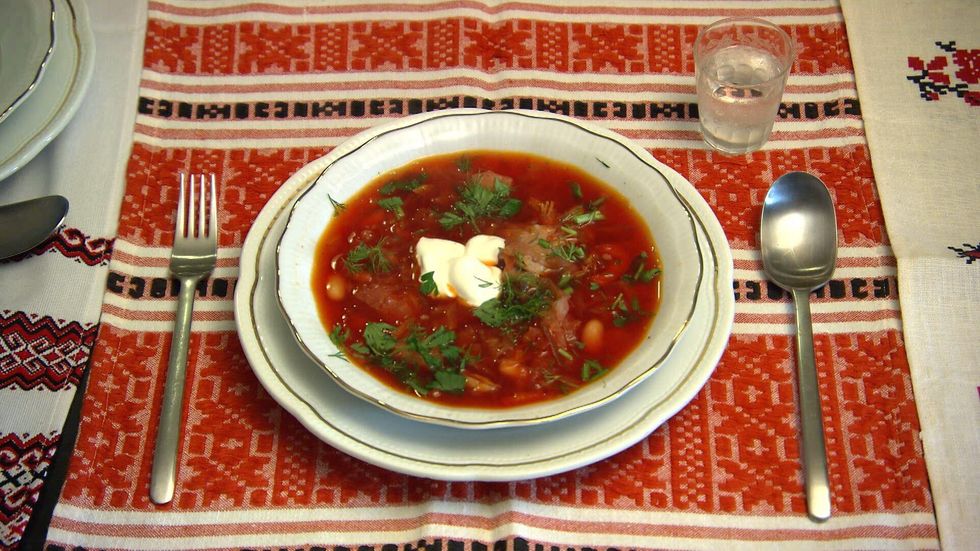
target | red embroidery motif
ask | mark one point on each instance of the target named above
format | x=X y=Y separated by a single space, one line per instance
x=607 y=47
x=257 y=48
x=498 y=46
x=386 y=45
x=934 y=81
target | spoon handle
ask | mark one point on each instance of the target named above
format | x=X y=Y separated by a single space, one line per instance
x=814 y=451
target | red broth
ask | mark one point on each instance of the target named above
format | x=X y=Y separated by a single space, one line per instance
x=579 y=288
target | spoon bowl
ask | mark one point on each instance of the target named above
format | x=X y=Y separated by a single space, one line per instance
x=25 y=224
x=798 y=235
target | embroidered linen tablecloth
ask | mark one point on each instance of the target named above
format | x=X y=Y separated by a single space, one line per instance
x=920 y=86
x=254 y=91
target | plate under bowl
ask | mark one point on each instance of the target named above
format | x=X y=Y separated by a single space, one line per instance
x=26 y=41
x=596 y=151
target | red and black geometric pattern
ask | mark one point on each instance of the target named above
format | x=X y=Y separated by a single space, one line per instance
x=74 y=244
x=42 y=352
x=23 y=465
x=971 y=253
x=455 y=42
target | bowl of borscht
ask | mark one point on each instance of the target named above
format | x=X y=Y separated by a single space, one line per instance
x=485 y=269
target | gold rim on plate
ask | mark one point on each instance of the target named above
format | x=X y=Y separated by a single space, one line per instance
x=576 y=403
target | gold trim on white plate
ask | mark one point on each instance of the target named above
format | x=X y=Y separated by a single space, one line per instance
x=399 y=444
x=46 y=112
x=626 y=168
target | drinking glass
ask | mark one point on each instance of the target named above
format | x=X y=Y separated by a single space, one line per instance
x=741 y=65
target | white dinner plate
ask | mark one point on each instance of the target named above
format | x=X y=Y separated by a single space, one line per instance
x=403 y=445
x=26 y=41
x=44 y=114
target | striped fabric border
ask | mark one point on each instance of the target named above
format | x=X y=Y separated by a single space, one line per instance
x=564 y=527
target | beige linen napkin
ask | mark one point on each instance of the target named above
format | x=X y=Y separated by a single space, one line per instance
x=917 y=66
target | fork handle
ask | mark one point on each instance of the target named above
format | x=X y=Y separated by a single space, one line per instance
x=164 y=474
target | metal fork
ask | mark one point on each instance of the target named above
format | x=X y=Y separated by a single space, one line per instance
x=193 y=257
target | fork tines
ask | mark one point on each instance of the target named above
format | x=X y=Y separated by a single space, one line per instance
x=203 y=224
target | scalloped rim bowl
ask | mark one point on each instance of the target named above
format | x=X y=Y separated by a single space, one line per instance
x=599 y=152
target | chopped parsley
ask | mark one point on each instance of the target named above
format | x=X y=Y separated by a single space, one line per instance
x=477 y=201
x=428 y=286
x=398 y=186
x=378 y=338
x=363 y=257
x=393 y=204
x=435 y=353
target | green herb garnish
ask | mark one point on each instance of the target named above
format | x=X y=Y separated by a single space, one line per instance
x=624 y=313
x=522 y=298
x=565 y=250
x=584 y=215
x=338 y=207
x=570 y=252
x=379 y=339
x=638 y=272
x=584 y=218
x=435 y=353
x=363 y=257
x=393 y=204
x=339 y=336
x=463 y=163
x=592 y=370
x=478 y=201
x=410 y=184
x=428 y=286
x=565 y=281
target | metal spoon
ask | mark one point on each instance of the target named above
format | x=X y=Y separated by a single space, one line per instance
x=799 y=248
x=24 y=225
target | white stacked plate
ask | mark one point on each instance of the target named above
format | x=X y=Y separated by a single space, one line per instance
x=46 y=59
x=401 y=444
x=26 y=42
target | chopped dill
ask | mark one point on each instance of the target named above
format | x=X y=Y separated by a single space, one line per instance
x=338 y=207
x=363 y=257
x=523 y=297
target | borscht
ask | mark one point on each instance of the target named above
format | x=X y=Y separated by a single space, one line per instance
x=486 y=278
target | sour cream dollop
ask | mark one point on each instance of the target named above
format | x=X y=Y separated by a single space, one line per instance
x=468 y=271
